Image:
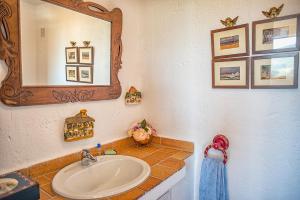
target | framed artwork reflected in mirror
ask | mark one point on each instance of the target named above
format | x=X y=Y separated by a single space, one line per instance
x=71 y=73
x=86 y=55
x=71 y=55
x=85 y=74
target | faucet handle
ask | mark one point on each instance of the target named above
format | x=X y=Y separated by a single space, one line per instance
x=85 y=152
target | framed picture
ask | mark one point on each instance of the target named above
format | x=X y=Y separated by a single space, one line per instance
x=71 y=73
x=275 y=71
x=230 y=42
x=230 y=73
x=276 y=35
x=85 y=74
x=71 y=55
x=86 y=55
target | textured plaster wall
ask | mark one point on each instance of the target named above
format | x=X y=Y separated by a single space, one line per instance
x=263 y=126
x=33 y=134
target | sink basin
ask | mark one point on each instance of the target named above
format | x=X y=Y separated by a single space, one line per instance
x=110 y=175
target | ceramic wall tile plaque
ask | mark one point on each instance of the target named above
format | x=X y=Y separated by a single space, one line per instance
x=79 y=127
x=133 y=96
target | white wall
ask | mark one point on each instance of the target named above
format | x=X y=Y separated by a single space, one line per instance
x=29 y=39
x=263 y=126
x=33 y=134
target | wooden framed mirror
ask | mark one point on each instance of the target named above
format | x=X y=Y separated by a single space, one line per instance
x=59 y=51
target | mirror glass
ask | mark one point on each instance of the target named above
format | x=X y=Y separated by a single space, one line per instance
x=48 y=50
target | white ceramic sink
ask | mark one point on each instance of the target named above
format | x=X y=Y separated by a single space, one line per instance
x=110 y=175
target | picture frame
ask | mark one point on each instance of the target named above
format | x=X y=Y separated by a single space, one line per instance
x=86 y=55
x=71 y=55
x=279 y=71
x=85 y=74
x=71 y=73
x=230 y=42
x=280 y=34
x=230 y=73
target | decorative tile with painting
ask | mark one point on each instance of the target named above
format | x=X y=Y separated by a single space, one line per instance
x=71 y=73
x=230 y=73
x=85 y=74
x=276 y=35
x=133 y=96
x=275 y=71
x=71 y=55
x=86 y=55
x=230 y=41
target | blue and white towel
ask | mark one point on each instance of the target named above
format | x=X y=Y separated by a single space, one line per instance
x=213 y=180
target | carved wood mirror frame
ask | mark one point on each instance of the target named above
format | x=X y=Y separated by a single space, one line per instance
x=12 y=91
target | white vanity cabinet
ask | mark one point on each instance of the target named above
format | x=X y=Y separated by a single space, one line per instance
x=179 y=186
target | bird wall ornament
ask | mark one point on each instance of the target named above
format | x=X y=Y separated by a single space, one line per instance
x=73 y=43
x=228 y=22
x=86 y=43
x=273 y=12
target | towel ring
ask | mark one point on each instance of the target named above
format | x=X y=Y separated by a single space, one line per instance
x=221 y=143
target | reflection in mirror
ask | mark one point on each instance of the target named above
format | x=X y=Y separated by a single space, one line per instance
x=49 y=58
x=3 y=28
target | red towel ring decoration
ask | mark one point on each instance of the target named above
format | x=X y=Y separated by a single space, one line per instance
x=221 y=143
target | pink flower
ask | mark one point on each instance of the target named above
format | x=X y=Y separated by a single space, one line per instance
x=136 y=129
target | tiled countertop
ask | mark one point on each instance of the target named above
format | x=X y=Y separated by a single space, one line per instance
x=165 y=156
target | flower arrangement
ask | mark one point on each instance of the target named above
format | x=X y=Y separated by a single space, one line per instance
x=142 y=132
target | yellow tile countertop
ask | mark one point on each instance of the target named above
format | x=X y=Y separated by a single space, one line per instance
x=165 y=156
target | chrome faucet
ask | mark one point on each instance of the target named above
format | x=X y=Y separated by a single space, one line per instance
x=87 y=158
